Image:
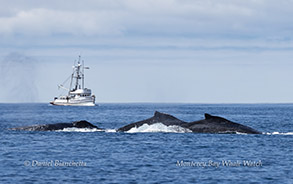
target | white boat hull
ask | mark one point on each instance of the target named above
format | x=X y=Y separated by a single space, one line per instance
x=74 y=102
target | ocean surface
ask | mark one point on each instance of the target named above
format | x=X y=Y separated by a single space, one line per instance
x=154 y=154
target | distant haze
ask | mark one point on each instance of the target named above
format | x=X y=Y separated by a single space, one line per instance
x=218 y=51
x=18 y=79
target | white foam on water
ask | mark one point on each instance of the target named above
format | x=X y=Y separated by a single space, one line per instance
x=110 y=130
x=241 y=133
x=279 y=133
x=158 y=127
x=74 y=129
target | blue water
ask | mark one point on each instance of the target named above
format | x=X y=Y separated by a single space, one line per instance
x=111 y=157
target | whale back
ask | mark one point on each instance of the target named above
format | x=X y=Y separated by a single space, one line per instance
x=158 y=117
x=83 y=124
x=57 y=126
x=216 y=124
x=166 y=119
x=46 y=127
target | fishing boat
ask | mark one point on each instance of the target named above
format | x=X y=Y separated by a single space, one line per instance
x=77 y=94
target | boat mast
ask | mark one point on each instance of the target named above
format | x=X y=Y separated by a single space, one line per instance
x=77 y=74
x=82 y=75
x=72 y=75
x=77 y=86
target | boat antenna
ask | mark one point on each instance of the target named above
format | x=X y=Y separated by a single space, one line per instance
x=82 y=74
x=77 y=74
x=72 y=75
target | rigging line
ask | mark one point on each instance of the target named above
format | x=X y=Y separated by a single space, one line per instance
x=66 y=80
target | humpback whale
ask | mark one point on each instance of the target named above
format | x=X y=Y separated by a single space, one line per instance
x=211 y=124
x=158 y=117
x=216 y=124
x=57 y=126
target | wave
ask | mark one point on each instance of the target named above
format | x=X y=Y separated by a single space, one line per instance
x=279 y=133
x=240 y=133
x=110 y=130
x=74 y=129
x=158 y=127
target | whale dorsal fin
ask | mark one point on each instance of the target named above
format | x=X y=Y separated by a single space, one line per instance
x=208 y=116
x=159 y=115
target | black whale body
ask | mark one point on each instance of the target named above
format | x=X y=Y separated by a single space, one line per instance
x=211 y=124
x=57 y=126
x=215 y=124
x=158 y=117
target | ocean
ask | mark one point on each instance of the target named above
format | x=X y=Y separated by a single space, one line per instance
x=151 y=155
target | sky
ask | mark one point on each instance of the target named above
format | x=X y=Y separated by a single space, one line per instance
x=170 y=51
